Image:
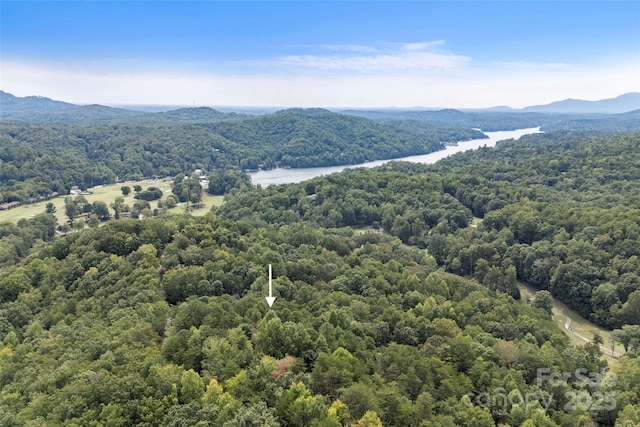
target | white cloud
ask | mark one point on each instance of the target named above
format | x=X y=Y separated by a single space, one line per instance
x=382 y=63
x=422 y=45
x=388 y=58
x=350 y=48
x=523 y=66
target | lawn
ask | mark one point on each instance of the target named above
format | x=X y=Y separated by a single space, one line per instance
x=107 y=194
x=207 y=202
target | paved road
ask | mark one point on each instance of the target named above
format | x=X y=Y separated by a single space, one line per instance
x=567 y=326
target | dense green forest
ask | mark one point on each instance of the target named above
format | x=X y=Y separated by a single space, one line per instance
x=163 y=322
x=487 y=121
x=559 y=211
x=38 y=159
x=597 y=122
x=416 y=322
x=494 y=121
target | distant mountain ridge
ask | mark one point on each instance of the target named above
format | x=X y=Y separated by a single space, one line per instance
x=36 y=104
x=44 y=110
x=13 y=107
x=41 y=109
x=620 y=104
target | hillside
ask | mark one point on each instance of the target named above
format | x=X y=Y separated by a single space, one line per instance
x=317 y=137
x=490 y=120
x=30 y=104
x=163 y=321
x=529 y=193
x=193 y=115
x=44 y=110
x=596 y=122
x=487 y=121
x=98 y=152
x=34 y=109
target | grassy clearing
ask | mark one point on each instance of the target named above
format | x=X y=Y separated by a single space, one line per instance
x=207 y=202
x=28 y=211
x=107 y=194
x=579 y=324
x=361 y=230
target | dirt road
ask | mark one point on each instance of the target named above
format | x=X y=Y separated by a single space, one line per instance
x=567 y=326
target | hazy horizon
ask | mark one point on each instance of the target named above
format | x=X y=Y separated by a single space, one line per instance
x=334 y=55
x=248 y=109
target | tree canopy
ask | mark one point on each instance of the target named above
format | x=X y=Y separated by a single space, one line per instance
x=397 y=298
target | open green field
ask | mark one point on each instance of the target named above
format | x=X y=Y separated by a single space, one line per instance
x=207 y=201
x=579 y=324
x=107 y=194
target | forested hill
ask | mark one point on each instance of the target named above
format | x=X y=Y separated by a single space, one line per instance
x=507 y=120
x=317 y=137
x=559 y=210
x=43 y=158
x=39 y=109
x=163 y=321
x=192 y=115
x=597 y=122
x=487 y=121
x=11 y=104
x=363 y=328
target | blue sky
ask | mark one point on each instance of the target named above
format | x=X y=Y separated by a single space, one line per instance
x=329 y=54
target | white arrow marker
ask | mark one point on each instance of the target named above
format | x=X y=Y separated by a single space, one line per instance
x=270 y=299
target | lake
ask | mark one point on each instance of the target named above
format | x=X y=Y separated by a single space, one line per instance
x=288 y=176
